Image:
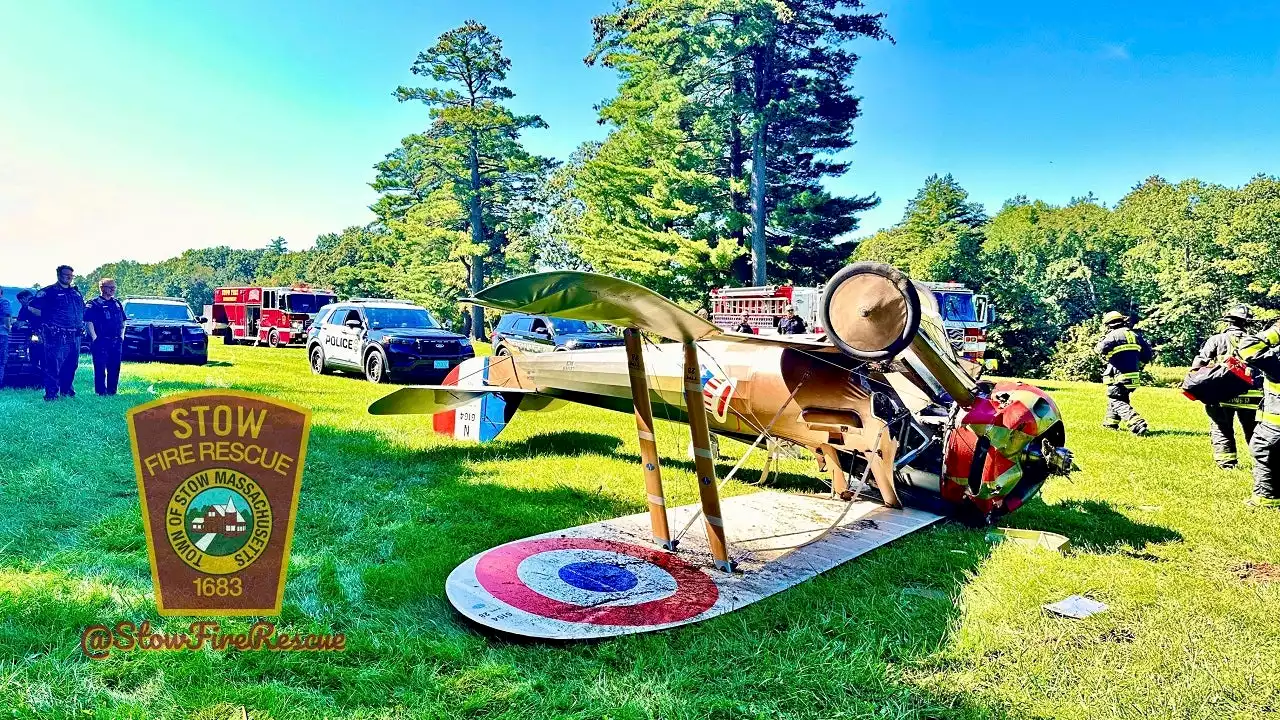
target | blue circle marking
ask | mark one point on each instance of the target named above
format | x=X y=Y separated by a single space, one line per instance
x=598 y=577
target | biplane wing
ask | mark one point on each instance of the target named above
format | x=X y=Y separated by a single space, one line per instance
x=588 y=296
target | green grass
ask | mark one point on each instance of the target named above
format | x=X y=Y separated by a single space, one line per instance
x=937 y=625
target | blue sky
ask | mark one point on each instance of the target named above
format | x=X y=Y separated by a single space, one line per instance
x=136 y=129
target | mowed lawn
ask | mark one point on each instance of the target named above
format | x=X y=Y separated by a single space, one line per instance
x=938 y=625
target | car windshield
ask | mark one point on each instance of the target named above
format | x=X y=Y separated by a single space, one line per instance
x=137 y=310
x=957 y=307
x=307 y=302
x=563 y=326
x=407 y=317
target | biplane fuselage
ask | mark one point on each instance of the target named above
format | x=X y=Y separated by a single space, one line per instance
x=802 y=398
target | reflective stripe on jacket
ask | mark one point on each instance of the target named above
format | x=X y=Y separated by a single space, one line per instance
x=1262 y=352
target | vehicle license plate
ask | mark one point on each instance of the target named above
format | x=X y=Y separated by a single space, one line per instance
x=442 y=364
x=166 y=348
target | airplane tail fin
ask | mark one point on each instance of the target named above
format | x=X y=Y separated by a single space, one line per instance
x=475 y=402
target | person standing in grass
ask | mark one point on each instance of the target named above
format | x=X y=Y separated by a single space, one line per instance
x=1222 y=416
x=1262 y=352
x=1125 y=351
x=6 y=314
x=105 y=318
x=60 y=308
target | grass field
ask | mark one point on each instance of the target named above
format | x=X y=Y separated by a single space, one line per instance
x=938 y=625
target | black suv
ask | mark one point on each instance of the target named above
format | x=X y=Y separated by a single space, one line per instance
x=386 y=340
x=517 y=332
x=163 y=329
x=22 y=362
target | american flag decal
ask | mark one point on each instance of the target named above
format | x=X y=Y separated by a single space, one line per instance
x=716 y=394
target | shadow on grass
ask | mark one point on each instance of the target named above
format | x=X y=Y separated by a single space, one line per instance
x=1176 y=433
x=1091 y=525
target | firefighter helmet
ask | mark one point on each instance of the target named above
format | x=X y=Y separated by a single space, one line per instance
x=1239 y=313
x=1114 y=319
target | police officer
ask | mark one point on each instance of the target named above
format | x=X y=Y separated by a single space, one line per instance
x=792 y=324
x=105 y=318
x=1262 y=352
x=6 y=315
x=1222 y=431
x=60 y=308
x=1125 y=351
x=24 y=311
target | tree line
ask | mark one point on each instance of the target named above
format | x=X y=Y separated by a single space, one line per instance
x=1172 y=256
x=728 y=118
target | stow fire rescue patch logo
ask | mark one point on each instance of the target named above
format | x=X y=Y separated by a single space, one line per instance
x=218 y=478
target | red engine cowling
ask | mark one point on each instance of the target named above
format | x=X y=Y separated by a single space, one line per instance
x=1005 y=448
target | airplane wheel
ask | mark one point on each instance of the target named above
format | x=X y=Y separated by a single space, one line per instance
x=273 y=339
x=871 y=310
x=375 y=367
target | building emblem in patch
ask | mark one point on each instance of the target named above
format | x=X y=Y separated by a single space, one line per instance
x=218 y=477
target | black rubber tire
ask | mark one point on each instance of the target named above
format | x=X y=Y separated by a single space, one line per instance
x=503 y=351
x=273 y=338
x=315 y=358
x=375 y=367
x=903 y=284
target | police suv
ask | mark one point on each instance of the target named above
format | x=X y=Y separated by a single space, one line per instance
x=386 y=340
x=163 y=329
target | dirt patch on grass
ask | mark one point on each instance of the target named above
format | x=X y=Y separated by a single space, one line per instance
x=1260 y=572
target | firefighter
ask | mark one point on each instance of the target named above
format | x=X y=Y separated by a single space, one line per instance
x=1262 y=352
x=105 y=318
x=1222 y=431
x=1125 y=351
x=60 y=308
x=792 y=324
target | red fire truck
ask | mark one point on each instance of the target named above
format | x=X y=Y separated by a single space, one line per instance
x=965 y=316
x=763 y=306
x=275 y=316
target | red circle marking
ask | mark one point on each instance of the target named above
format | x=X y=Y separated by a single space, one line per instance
x=695 y=592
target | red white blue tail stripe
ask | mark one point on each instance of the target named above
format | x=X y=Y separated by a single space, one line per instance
x=482 y=419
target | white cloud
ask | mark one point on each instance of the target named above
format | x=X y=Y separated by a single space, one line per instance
x=1116 y=51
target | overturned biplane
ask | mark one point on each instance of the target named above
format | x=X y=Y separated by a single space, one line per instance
x=883 y=400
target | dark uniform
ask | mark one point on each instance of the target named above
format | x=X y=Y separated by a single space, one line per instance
x=107 y=316
x=1262 y=352
x=1125 y=351
x=1222 y=417
x=791 y=325
x=61 y=324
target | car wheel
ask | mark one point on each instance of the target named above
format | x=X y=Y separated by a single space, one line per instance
x=273 y=339
x=316 y=357
x=375 y=367
x=503 y=351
